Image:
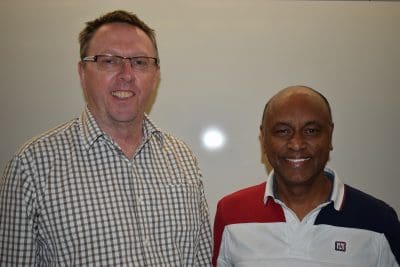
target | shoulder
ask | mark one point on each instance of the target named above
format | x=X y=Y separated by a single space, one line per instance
x=244 y=197
x=47 y=141
x=355 y=198
x=36 y=154
x=363 y=204
x=242 y=206
x=173 y=141
x=374 y=213
x=361 y=210
x=176 y=148
x=247 y=205
x=165 y=139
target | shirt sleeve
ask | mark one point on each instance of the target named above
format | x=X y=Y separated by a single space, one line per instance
x=223 y=258
x=17 y=246
x=218 y=229
x=390 y=254
x=205 y=241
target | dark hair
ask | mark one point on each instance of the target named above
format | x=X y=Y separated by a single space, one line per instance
x=309 y=88
x=118 y=16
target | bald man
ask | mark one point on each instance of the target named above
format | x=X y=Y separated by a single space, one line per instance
x=303 y=215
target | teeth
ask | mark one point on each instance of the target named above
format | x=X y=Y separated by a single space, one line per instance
x=122 y=94
x=298 y=160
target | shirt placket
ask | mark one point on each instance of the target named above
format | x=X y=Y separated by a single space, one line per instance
x=299 y=233
x=139 y=204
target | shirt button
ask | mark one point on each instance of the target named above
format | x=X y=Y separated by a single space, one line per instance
x=146 y=241
x=139 y=200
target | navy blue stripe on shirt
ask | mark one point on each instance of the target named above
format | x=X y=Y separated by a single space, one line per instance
x=362 y=211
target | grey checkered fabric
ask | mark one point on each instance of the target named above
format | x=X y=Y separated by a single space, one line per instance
x=71 y=198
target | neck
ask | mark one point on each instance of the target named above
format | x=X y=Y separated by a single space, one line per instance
x=128 y=136
x=302 y=199
x=128 y=142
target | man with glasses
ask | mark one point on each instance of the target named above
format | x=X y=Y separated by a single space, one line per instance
x=109 y=188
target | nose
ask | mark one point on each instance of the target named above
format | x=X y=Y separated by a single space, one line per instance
x=126 y=70
x=296 y=142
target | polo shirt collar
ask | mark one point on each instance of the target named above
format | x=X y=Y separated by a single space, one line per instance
x=337 y=193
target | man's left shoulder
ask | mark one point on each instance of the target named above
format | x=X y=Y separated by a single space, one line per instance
x=362 y=203
x=360 y=210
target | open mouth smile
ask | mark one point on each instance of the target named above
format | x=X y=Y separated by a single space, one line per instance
x=122 y=94
x=298 y=160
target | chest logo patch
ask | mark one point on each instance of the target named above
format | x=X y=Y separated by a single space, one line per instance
x=340 y=246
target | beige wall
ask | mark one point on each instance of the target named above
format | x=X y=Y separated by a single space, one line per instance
x=221 y=60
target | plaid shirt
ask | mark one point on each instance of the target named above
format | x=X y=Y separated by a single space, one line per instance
x=70 y=197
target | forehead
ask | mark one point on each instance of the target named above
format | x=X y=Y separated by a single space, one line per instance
x=120 y=35
x=297 y=106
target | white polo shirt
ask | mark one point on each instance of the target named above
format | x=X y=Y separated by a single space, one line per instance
x=350 y=229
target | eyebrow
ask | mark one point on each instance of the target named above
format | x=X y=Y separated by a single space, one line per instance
x=286 y=123
x=313 y=122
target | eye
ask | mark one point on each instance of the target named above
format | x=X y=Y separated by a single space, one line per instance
x=311 y=131
x=108 y=60
x=282 y=131
x=140 y=62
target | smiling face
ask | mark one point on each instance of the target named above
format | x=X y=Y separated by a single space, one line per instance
x=118 y=98
x=297 y=136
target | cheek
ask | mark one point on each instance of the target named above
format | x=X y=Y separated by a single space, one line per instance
x=95 y=82
x=155 y=80
x=274 y=146
x=96 y=88
x=272 y=151
x=148 y=86
x=153 y=85
x=322 y=150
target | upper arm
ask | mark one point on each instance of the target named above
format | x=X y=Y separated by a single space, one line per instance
x=392 y=233
x=16 y=215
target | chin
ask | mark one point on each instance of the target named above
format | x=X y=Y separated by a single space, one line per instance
x=124 y=116
x=297 y=179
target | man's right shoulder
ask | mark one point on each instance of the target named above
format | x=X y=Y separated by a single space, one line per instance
x=247 y=205
x=245 y=196
x=45 y=139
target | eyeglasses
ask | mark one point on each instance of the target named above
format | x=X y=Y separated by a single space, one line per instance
x=113 y=63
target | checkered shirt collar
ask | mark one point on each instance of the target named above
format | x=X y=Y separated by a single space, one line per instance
x=337 y=194
x=91 y=131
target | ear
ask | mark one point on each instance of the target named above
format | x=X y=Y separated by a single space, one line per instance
x=81 y=71
x=331 y=136
x=261 y=137
x=82 y=78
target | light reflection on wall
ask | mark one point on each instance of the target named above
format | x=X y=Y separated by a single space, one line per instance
x=213 y=138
